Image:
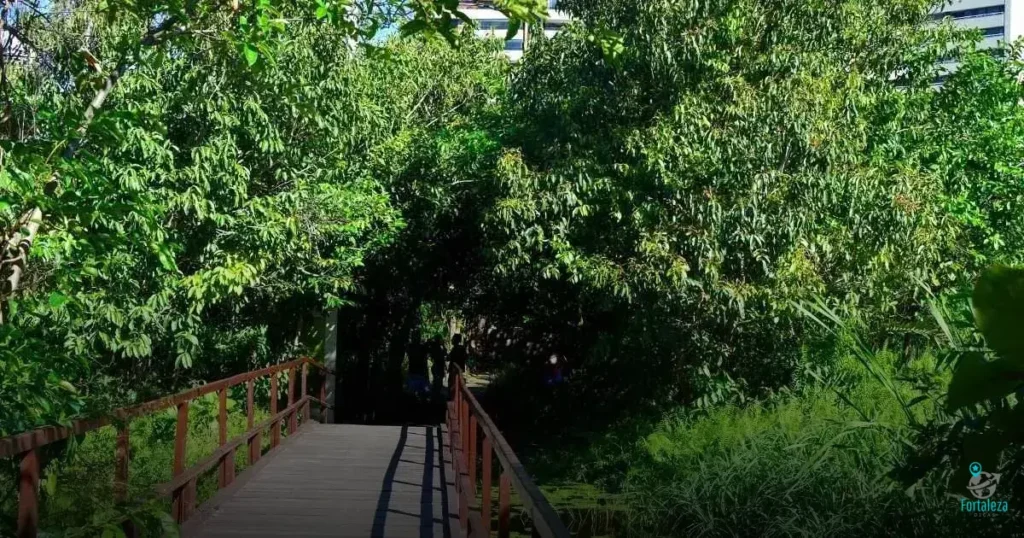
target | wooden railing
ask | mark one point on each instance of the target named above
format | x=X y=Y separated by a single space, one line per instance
x=182 y=487
x=467 y=420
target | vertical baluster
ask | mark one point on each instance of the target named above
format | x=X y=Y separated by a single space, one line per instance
x=180 y=501
x=121 y=460
x=463 y=496
x=256 y=441
x=28 y=495
x=323 y=401
x=121 y=465
x=464 y=429
x=485 y=507
x=227 y=463
x=275 y=426
x=293 y=416
x=305 y=407
x=504 y=504
x=472 y=453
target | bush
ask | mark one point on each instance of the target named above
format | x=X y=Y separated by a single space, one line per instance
x=814 y=463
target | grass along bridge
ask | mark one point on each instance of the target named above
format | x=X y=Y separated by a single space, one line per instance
x=340 y=480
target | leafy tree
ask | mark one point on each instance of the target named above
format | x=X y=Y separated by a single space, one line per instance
x=213 y=198
x=691 y=168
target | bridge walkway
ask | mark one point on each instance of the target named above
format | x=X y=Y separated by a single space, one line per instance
x=341 y=481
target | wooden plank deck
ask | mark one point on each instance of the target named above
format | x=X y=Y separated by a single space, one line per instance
x=342 y=481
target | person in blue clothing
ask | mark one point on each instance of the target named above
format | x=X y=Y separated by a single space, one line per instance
x=417 y=382
x=554 y=371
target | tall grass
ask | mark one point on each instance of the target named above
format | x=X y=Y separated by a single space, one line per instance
x=805 y=466
x=820 y=461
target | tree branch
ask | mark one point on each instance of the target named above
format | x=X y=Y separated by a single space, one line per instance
x=18 y=247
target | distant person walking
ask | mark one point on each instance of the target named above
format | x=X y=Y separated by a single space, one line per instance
x=459 y=353
x=435 y=350
x=417 y=382
x=456 y=362
x=554 y=371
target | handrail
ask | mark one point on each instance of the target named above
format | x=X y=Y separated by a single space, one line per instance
x=466 y=419
x=182 y=487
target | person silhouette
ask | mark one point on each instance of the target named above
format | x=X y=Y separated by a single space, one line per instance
x=458 y=354
x=435 y=350
x=417 y=381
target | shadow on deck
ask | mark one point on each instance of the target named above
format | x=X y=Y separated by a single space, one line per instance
x=341 y=481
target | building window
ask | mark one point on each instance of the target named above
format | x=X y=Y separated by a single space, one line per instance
x=554 y=25
x=990 y=32
x=971 y=13
x=493 y=24
x=514 y=44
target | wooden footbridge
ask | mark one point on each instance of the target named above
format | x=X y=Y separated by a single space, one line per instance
x=425 y=481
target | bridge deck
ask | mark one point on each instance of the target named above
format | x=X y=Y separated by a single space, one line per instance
x=342 y=481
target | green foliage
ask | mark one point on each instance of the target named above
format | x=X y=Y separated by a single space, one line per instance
x=77 y=497
x=806 y=464
x=674 y=178
x=212 y=199
x=651 y=194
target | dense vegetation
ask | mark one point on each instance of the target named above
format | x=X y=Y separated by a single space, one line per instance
x=751 y=227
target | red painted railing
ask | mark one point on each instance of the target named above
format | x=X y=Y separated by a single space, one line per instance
x=182 y=487
x=469 y=426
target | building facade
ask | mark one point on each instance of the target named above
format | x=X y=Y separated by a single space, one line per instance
x=491 y=22
x=998 y=20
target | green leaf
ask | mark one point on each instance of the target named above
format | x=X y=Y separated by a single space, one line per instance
x=513 y=29
x=999 y=310
x=51 y=484
x=251 y=55
x=57 y=299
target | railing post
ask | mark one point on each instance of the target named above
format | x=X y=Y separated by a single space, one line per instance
x=504 y=504
x=463 y=495
x=121 y=461
x=472 y=453
x=275 y=426
x=121 y=465
x=293 y=416
x=323 y=401
x=256 y=441
x=28 y=491
x=181 y=499
x=464 y=426
x=485 y=506
x=227 y=464
x=305 y=407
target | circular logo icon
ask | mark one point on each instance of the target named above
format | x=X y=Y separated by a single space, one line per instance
x=975 y=468
x=983 y=485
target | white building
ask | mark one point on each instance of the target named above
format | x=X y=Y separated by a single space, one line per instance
x=1000 y=21
x=491 y=22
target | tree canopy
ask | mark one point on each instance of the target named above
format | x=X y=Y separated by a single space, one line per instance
x=656 y=193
